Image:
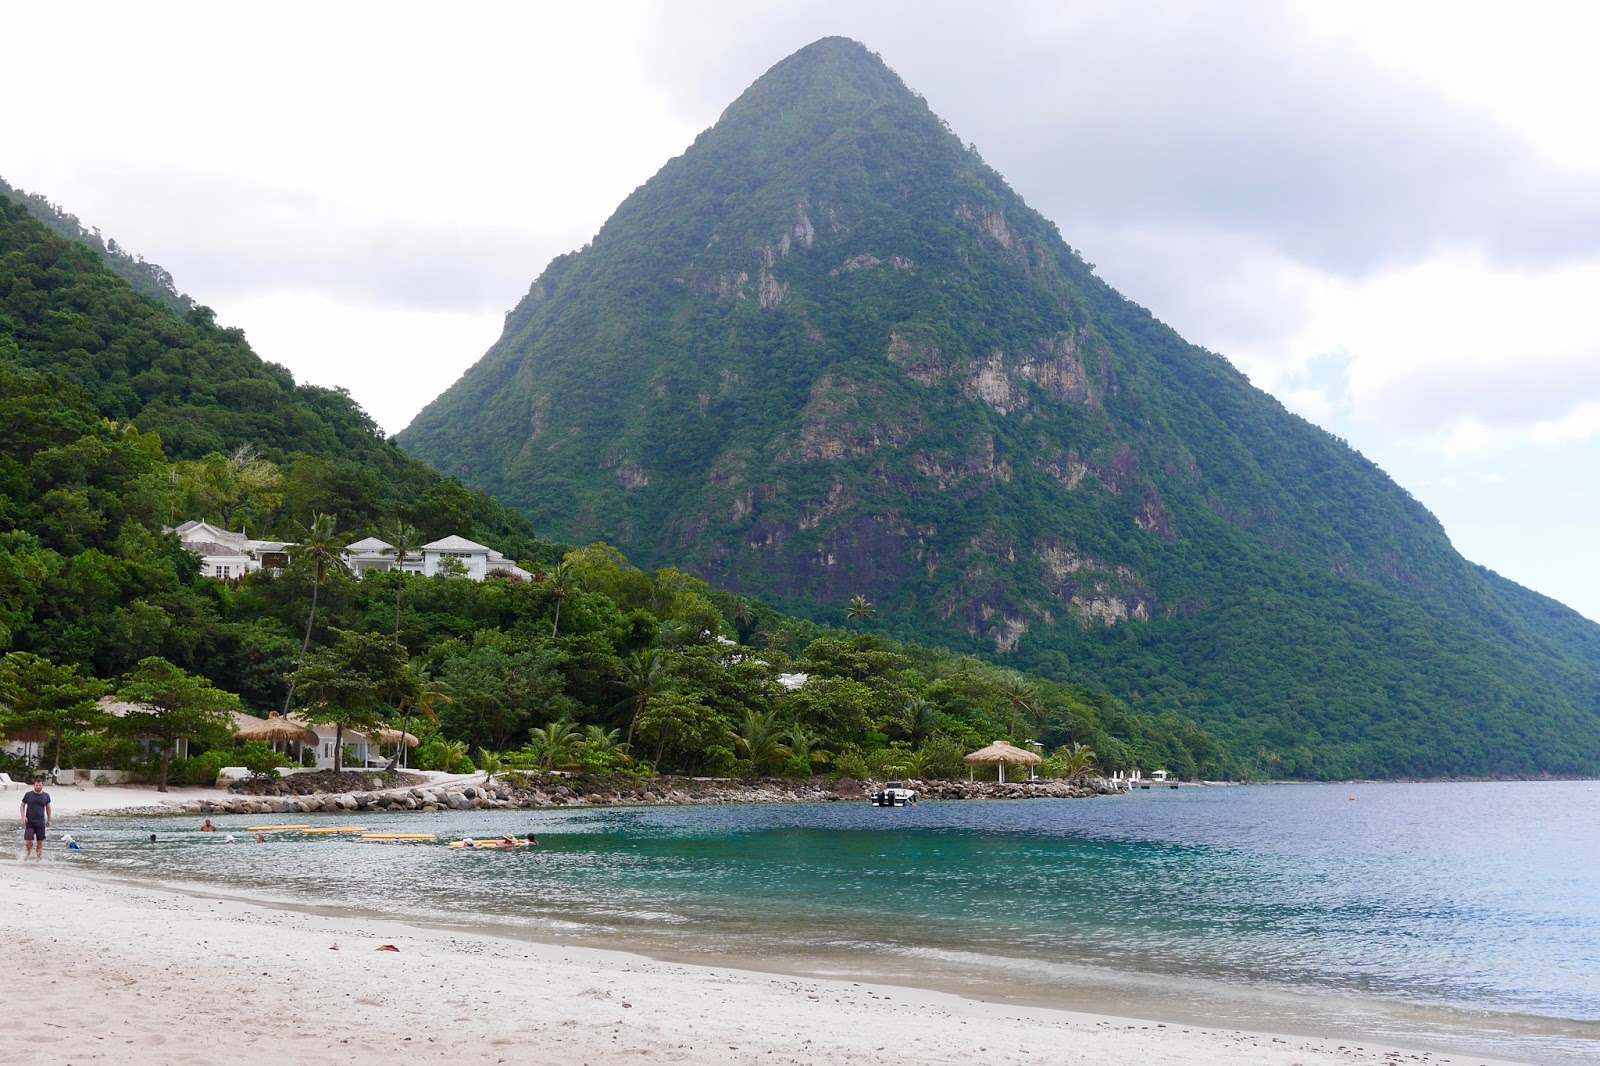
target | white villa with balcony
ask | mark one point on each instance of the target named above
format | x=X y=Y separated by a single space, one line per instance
x=478 y=561
x=226 y=555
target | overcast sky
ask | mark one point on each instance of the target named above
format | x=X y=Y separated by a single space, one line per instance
x=1388 y=215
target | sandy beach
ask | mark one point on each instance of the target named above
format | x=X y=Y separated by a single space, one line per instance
x=129 y=973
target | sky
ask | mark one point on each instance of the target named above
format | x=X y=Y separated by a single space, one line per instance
x=1387 y=214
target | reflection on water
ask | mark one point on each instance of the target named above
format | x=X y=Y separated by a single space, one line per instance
x=1463 y=914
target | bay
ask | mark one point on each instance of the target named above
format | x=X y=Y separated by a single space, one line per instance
x=1458 y=916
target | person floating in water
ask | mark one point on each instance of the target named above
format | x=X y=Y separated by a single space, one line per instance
x=533 y=841
x=72 y=845
x=152 y=838
x=208 y=827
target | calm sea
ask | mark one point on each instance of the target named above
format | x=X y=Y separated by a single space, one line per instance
x=1455 y=916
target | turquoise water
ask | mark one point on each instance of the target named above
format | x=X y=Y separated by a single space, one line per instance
x=1459 y=916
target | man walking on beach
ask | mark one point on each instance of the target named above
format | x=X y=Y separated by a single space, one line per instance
x=35 y=811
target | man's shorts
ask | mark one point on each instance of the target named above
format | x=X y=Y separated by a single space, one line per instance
x=31 y=831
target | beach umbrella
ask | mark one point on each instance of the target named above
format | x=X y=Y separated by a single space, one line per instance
x=275 y=729
x=390 y=737
x=999 y=753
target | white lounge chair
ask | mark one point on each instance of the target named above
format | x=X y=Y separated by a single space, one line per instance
x=6 y=784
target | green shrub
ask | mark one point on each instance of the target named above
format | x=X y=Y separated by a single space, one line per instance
x=199 y=771
x=720 y=761
x=797 y=768
x=850 y=763
x=258 y=757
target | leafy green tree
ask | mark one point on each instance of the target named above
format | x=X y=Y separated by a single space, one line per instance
x=40 y=698
x=500 y=691
x=170 y=704
x=678 y=724
x=347 y=683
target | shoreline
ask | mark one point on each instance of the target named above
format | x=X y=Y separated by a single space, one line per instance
x=136 y=983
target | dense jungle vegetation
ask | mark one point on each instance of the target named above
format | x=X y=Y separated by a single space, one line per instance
x=828 y=351
x=119 y=416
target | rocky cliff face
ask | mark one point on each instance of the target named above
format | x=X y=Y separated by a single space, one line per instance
x=828 y=352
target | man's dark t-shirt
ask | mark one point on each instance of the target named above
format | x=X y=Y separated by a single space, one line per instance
x=36 y=802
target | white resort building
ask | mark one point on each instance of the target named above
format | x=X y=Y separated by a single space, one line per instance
x=226 y=555
x=478 y=561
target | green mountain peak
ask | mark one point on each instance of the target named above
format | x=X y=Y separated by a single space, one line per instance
x=828 y=351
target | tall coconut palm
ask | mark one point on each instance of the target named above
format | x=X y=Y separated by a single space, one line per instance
x=405 y=540
x=562 y=582
x=860 y=610
x=1021 y=695
x=319 y=545
x=744 y=619
x=644 y=675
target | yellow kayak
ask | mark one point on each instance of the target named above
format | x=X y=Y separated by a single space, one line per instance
x=401 y=837
x=276 y=828
x=331 y=829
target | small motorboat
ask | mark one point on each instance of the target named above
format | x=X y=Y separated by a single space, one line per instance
x=894 y=794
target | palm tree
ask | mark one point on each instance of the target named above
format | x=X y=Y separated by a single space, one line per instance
x=860 y=610
x=644 y=675
x=760 y=739
x=562 y=583
x=918 y=717
x=451 y=752
x=603 y=741
x=426 y=694
x=744 y=619
x=1020 y=694
x=1076 y=762
x=319 y=545
x=404 y=540
x=552 y=746
x=804 y=744
x=490 y=763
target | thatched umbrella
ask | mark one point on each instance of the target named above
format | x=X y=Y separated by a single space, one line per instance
x=998 y=754
x=388 y=738
x=275 y=729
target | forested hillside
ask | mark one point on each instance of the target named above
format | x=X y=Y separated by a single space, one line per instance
x=829 y=352
x=119 y=416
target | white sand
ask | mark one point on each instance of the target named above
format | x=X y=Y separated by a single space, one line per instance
x=105 y=971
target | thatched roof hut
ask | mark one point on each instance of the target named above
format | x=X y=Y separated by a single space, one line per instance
x=274 y=729
x=388 y=738
x=1000 y=753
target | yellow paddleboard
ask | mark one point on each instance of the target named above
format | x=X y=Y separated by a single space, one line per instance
x=276 y=828
x=397 y=836
x=489 y=845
